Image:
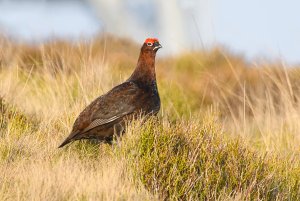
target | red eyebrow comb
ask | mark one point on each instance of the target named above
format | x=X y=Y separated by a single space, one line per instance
x=151 y=40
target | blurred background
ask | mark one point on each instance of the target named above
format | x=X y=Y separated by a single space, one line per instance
x=268 y=29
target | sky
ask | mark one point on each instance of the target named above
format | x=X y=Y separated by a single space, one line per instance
x=39 y=20
x=254 y=28
x=260 y=28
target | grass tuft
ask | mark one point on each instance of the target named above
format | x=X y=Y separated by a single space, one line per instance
x=193 y=160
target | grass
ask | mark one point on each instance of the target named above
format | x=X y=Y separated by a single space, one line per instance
x=196 y=161
x=227 y=130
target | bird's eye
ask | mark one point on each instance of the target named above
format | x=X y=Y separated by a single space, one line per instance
x=149 y=44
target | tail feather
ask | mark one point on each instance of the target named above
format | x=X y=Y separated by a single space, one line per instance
x=69 y=139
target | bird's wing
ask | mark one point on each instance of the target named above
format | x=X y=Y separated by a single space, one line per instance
x=110 y=107
x=100 y=122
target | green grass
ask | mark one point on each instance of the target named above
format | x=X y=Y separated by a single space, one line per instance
x=194 y=160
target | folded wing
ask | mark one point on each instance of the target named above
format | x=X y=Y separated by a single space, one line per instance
x=109 y=108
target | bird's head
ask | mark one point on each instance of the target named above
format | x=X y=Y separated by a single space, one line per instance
x=151 y=45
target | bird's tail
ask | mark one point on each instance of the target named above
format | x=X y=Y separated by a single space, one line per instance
x=67 y=141
x=70 y=138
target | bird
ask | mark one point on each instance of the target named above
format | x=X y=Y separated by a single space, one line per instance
x=106 y=116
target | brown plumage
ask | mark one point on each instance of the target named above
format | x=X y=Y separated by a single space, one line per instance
x=138 y=95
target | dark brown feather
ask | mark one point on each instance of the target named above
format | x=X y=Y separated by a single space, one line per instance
x=105 y=116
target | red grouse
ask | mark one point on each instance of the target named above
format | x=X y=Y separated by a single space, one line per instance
x=138 y=95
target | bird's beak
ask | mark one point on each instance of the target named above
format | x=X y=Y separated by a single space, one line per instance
x=157 y=46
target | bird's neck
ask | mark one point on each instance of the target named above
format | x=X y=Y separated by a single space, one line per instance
x=145 y=69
